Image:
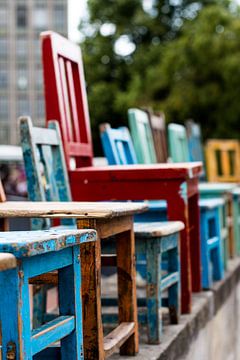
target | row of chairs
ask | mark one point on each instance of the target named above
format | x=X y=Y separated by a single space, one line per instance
x=156 y=243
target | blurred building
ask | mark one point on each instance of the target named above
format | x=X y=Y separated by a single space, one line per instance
x=21 y=83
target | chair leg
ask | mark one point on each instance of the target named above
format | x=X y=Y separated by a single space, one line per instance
x=217 y=254
x=70 y=303
x=154 y=317
x=174 y=290
x=15 y=314
x=127 y=298
x=205 y=255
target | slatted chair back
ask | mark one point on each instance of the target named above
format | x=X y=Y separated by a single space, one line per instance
x=194 y=141
x=117 y=145
x=46 y=173
x=142 y=136
x=223 y=160
x=4 y=226
x=66 y=99
x=157 y=123
x=178 y=144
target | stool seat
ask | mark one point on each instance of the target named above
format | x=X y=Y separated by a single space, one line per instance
x=157 y=229
x=211 y=203
x=31 y=243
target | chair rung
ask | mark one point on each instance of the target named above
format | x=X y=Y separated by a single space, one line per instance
x=169 y=280
x=51 y=332
x=116 y=338
x=212 y=242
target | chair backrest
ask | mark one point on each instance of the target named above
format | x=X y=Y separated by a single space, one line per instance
x=117 y=145
x=194 y=141
x=223 y=160
x=157 y=123
x=142 y=136
x=46 y=173
x=178 y=145
x=4 y=226
x=65 y=97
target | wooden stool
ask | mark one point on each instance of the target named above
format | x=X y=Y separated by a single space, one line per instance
x=38 y=253
x=153 y=241
x=211 y=245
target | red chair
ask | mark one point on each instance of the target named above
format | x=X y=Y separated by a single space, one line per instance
x=66 y=101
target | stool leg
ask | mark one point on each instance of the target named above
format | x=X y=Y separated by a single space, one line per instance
x=15 y=315
x=127 y=303
x=205 y=256
x=217 y=255
x=174 y=290
x=70 y=303
x=154 y=316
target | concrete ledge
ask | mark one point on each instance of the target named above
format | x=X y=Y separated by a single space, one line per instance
x=178 y=339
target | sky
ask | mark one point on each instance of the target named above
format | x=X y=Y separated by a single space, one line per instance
x=76 y=10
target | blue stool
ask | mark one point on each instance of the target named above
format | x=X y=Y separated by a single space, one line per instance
x=153 y=240
x=37 y=253
x=211 y=244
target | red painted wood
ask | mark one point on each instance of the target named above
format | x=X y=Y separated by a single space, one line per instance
x=66 y=101
x=65 y=94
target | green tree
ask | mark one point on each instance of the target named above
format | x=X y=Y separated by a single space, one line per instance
x=119 y=76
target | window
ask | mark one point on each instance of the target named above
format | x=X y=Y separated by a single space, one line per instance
x=3 y=107
x=59 y=17
x=22 y=16
x=22 y=78
x=3 y=47
x=23 y=107
x=3 y=17
x=40 y=108
x=40 y=18
x=3 y=78
x=21 y=48
x=39 y=79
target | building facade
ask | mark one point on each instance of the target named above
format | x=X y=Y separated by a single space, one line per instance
x=21 y=79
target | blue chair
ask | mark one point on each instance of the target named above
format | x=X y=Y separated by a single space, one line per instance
x=157 y=210
x=30 y=255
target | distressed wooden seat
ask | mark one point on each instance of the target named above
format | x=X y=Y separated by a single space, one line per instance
x=47 y=180
x=37 y=253
x=66 y=101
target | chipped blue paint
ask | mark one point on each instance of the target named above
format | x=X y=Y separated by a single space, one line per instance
x=18 y=340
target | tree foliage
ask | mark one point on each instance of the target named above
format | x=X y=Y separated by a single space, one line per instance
x=179 y=56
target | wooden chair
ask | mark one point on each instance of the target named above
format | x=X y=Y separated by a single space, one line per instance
x=157 y=123
x=66 y=101
x=35 y=253
x=223 y=160
x=210 y=211
x=142 y=136
x=47 y=180
x=178 y=149
x=194 y=141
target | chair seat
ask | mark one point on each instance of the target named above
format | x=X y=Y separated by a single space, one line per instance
x=211 y=203
x=216 y=188
x=157 y=229
x=31 y=243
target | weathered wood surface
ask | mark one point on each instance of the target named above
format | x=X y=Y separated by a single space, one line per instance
x=59 y=209
x=223 y=160
x=157 y=229
x=211 y=203
x=31 y=243
x=157 y=122
x=178 y=144
x=7 y=261
x=142 y=136
x=117 y=337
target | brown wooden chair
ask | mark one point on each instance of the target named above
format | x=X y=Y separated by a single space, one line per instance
x=223 y=160
x=157 y=122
